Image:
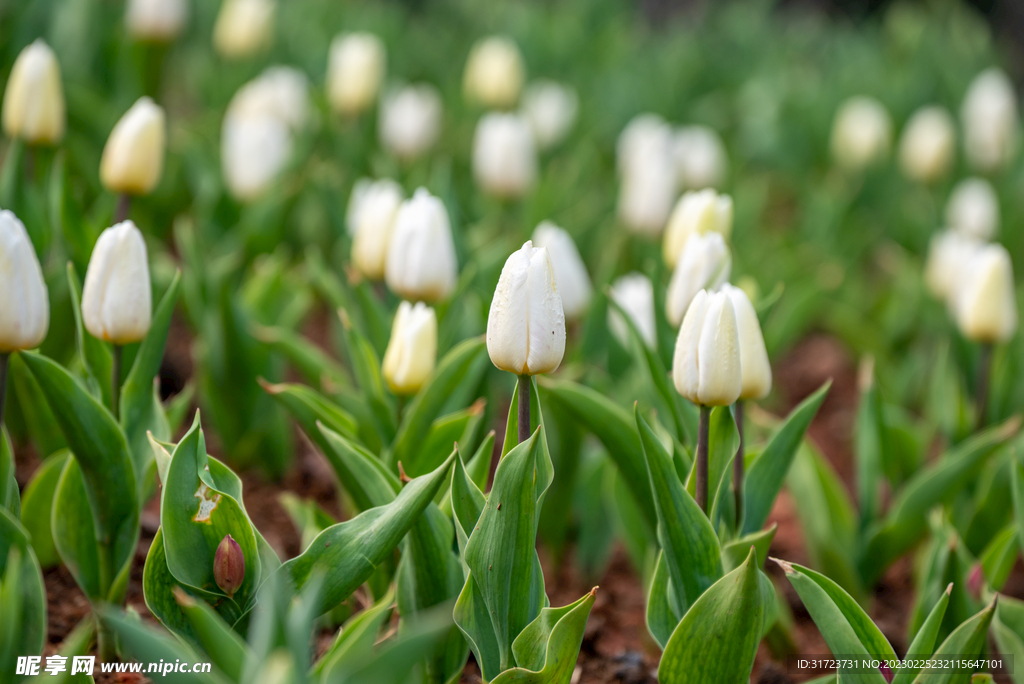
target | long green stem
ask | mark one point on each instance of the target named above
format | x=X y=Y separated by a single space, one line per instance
x=737 y=465
x=982 y=388
x=5 y=359
x=702 y=458
x=523 y=396
x=115 y=381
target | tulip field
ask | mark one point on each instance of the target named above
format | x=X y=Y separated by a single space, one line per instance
x=510 y=342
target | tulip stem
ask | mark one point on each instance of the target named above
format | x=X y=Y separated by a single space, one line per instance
x=982 y=388
x=124 y=205
x=524 y=408
x=737 y=465
x=5 y=359
x=115 y=381
x=702 y=458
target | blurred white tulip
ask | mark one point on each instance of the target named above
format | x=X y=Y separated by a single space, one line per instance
x=526 y=324
x=133 y=158
x=280 y=92
x=648 y=174
x=374 y=220
x=117 y=298
x=861 y=133
x=706 y=365
x=156 y=20
x=355 y=70
x=704 y=264
x=421 y=262
x=494 y=73
x=355 y=201
x=33 y=108
x=24 y=301
x=635 y=294
x=986 y=303
x=412 y=350
x=973 y=208
x=991 y=121
x=928 y=145
x=244 y=27
x=550 y=108
x=410 y=120
x=701 y=161
x=504 y=155
x=696 y=212
x=755 y=369
x=948 y=253
x=570 y=272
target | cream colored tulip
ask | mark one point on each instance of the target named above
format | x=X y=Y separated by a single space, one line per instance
x=494 y=73
x=928 y=145
x=410 y=120
x=696 y=213
x=133 y=158
x=504 y=155
x=635 y=294
x=861 y=133
x=412 y=351
x=704 y=264
x=117 y=298
x=550 y=108
x=421 y=262
x=244 y=27
x=701 y=160
x=706 y=365
x=254 y=151
x=279 y=92
x=377 y=210
x=355 y=71
x=24 y=302
x=948 y=254
x=526 y=324
x=991 y=121
x=156 y=20
x=756 y=369
x=973 y=209
x=648 y=170
x=986 y=303
x=33 y=108
x=570 y=272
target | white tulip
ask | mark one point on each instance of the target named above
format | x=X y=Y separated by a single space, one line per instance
x=928 y=145
x=704 y=264
x=986 y=304
x=244 y=27
x=156 y=20
x=755 y=369
x=570 y=272
x=648 y=170
x=117 y=300
x=494 y=73
x=374 y=220
x=635 y=294
x=643 y=133
x=33 y=107
x=973 y=209
x=410 y=120
x=696 y=212
x=861 y=133
x=355 y=70
x=24 y=302
x=421 y=262
x=360 y=189
x=526 y=324
x=706 y=365
x=991 y=122
x=550 y=108
x=279 y=92
x=701 y=161
x=412 y=350
x=504 y=155
x=254 y=151
x=948 y=254
x=133 y=158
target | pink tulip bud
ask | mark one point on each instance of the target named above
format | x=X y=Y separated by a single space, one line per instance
x=229 y=566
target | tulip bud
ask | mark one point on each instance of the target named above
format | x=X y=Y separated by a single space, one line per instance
x=948 y=254
x=360 y=189
x=526 y=324
x=410 y=120
x=355 y=70
x=570 y=272
x=374 y=220
x=928 y=144
x=24 y=302
x=159 y=21
x=244 y=27
x=33 y=107
x=504 y=155
x=701 y=161
x=279 y=92
x=973 y=209
x=117 y=300
x=229 y=566
x=421 y=262
x=991 y=122
x=861 y=133
x=412 y=351
x=133 y=158
x=494 y=73
x=254 y=150
x=704 y=264
x=635 y=294
x=986 y=305
x=755 y=369
x=550 y=108
x=706 y=365
x=648 y=170
x=699 y=212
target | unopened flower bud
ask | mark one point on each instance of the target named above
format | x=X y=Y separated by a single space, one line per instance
x=33 y=108
x=133 y=159
x=991 y=122
x=699 y=212
x=504 y=155
x=706 y=365
x=755 y=368
x=635 y=294
x=928 y=144
x=494 y=73
x=948 y=255
x=24 y=303
x=117 y=301
x=354 y=72
x=973 y=209
x=861 y=133
x=648 y=171
x=412 y=350
x=704 y=264
x=229 y=566
x=986 y=304
x=570 y=272
x=550 y=108
x=421 y=264
x=374 y=219
x=244 y=27
x=410 y=120
x=701 y=160
x=156 y=20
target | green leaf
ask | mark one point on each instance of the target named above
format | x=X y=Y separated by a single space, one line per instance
x=77 y=643
x=74 y=533
x=355 y=639
x=37 y=505
x=366 y=366
x=348 y=552
x=467 y=501
x=444 y=432
x=226 y=649
x=1008 y=630
x=307 y=516
x=309 y=360
x=998 y=558
x=924 y=642
x=966 y=641
x=10 y=497
x=735 y=552
x=29 y=400
x=159 y=586
x=716 y=641
x=93 y=354
x=23 y=618
x=768 y=471
x=370 y=483
x=868 y=445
